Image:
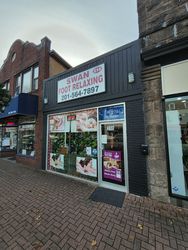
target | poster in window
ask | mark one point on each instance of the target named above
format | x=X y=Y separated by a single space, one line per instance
x=57 y=123
x=57 y=161
x=6 y=142
x=112 y=165
x=86 y=121
x=86 y=166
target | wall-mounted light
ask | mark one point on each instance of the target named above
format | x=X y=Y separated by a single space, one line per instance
x=131 y=77
x=45 y=100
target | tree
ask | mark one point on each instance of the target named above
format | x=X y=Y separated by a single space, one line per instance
x=4 y=98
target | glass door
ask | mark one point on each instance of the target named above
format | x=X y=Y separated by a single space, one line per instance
x=112 y=168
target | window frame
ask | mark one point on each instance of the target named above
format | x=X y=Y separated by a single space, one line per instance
x=19 y=86
x=35 y=78
x=165 y=99
x=30 y=80
x=34 y=141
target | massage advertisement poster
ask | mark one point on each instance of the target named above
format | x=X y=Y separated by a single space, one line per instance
x=57 y=123
x=57 y=161
x=112 y=165
x=86 y=120
x=86 y=166
x=83 y=121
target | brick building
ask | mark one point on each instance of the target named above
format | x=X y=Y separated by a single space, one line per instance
x=164 y=38
x=21 y=123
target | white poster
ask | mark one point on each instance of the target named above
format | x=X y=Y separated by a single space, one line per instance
x=88 y=151
x=58 y=123
x=85 y=83
x=57 y=161
x=86 y=166
x=104 y=139
x=6 y=142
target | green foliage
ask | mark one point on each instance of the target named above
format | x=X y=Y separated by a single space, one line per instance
x=4 y=98
x=57 y=142
x=79 y=142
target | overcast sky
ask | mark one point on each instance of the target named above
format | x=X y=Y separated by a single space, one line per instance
x=79 y=29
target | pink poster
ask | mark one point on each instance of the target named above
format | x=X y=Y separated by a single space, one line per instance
x=86 y=121
x=57 y=123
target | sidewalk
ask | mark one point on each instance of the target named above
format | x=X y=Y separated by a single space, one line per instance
x=39 y=211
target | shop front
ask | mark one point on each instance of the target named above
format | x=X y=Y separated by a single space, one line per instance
x=17 y=127
x=89 y=144
x=94 y=125
x=175 y=91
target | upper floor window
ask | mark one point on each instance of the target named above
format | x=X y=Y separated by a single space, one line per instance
x=18 y=85
x=6 y=85
x=35 y=77
x=27 y=81
x=13 y=57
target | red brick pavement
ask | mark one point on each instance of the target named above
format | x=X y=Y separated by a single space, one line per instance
x=42 y=211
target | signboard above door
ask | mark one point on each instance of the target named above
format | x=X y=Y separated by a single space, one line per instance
x=85 y=83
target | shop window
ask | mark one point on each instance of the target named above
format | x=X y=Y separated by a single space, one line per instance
x=8 y=138
x=177 y=133
x=26 y=139
x=27 y=81
x=35 y=77
x=72 y=143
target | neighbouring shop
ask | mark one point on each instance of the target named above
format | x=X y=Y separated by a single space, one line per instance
x=8 y=136
x=21 y=122
x=175 y=91
x=94 y=122
x=17 y=127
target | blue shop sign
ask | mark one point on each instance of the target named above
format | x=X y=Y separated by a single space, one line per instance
x=111 y=113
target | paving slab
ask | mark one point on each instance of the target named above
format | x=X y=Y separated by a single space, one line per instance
x=41 y=211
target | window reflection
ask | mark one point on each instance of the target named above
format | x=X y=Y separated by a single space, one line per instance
x=177 y=132
x=8 y=138
x=26 y=82
x=26 y=138
x=26 y=85
x=72 y=143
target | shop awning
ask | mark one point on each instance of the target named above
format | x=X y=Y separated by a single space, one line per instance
x=23 y=104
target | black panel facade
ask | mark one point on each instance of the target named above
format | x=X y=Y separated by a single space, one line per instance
x=119 y=89
x=118 y=64
x=135 y=140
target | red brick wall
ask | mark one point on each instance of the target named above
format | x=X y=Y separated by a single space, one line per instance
x=7 y=153
x=28 y=54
